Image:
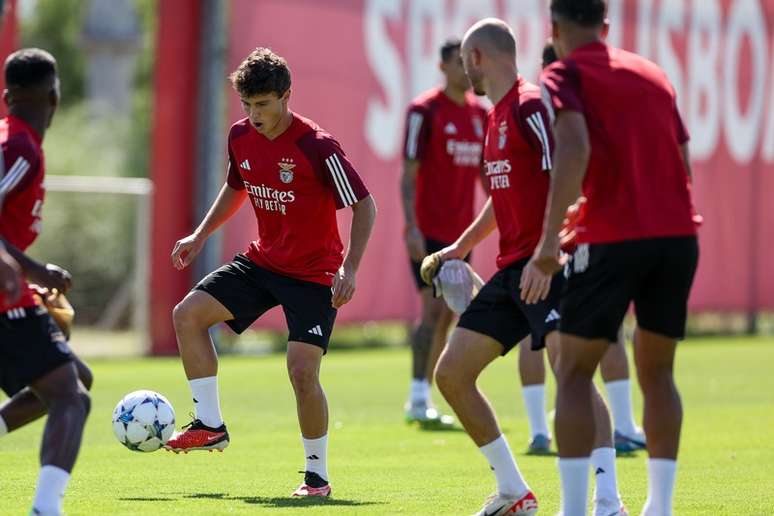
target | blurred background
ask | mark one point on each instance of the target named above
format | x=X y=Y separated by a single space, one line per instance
x=136 y=153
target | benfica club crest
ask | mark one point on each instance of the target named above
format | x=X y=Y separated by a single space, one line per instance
x=286 y=166
x=503 y=129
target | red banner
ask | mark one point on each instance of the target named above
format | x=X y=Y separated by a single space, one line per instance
x=356 y=65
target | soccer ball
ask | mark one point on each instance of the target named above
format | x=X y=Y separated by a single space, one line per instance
x=143 y=421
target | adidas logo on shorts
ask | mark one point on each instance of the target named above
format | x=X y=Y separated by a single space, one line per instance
x=316 y=331
x=553 y=315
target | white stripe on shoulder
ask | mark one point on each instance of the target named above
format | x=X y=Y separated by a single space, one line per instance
x=337 y=181
x=536 y=123
x=415 y=125
x=546 y=142
x=344 y=178
x=15 y=175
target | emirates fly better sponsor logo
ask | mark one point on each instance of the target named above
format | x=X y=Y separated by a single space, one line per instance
x=497 y=172
x=270 y=199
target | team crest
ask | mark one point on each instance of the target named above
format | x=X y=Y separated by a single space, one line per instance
x=503 y=129
x=478 y=126
x=286 y=166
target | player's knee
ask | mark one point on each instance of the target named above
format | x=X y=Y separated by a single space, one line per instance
x=185 y=317
x=85 y=375
x=447 y=376
x=303 y=377
x=655 y=378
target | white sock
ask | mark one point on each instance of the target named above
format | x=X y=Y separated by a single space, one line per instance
x=535 y=402
x=661 y=486
x=52 y=483
x=316 y=453
x=575 y=485
x=206 y=402
x=603 y=465
x=3 y=427
x=420 y=391
x=509 y=479
x=619 y=393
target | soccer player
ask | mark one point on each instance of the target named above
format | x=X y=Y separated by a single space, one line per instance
x=518 y=162
x=295 y=176
x=614 y=368
x=442 y=162
x=37 y=369
x=615 y=111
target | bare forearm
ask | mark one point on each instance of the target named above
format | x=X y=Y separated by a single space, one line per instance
x=227 y=203
x=571 y=158
x=408 y=190
x=363 y=217
x=484 y=224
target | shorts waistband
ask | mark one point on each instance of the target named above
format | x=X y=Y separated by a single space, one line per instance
x=21 y=312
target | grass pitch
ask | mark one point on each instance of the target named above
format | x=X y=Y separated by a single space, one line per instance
x=378 y=464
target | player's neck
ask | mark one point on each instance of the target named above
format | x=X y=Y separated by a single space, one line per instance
x=457 y=96
x=281 y=126
x=581 y=38
x=32 y=117
x=501 y=83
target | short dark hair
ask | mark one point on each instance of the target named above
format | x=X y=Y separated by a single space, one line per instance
x=29 y=67
x=549 y=54
x=449 y=47
x=587 y=13
x=260 y=73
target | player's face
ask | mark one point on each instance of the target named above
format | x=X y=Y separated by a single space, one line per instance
x=265 y=111
x=454 y=71
x=471 y=60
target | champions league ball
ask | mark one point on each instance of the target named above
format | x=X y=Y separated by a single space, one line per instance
x=143 y=421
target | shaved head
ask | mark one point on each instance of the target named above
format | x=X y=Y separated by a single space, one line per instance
x=488 y=51
x=491 y=35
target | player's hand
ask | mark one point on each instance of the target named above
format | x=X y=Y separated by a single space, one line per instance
x=536 y=276
x=10 y=277
x=415 y=243
x=430 y=267
x=185 y=250
x=52 y=277
x=343 y=286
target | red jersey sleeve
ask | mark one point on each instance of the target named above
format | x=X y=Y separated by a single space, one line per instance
x=417 y=132
x=682 y=133
x=338 y=172
x=19 y=165
x=560 y=86
x=537 y=129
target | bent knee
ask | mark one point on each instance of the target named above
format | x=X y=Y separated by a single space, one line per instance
x=303 y=377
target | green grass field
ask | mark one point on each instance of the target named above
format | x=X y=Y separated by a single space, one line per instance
x=378 y=464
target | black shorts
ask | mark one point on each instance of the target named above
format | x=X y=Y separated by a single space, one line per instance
x=248 y=291
x=431 y=246
x=498 y=311
x=603 y=279
x=31 y=346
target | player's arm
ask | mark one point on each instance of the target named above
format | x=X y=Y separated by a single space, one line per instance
x=687 y=160
x=10 y=276
x=478 y=230
x=47 y=275
x=415 y=241
x=225 y=206
x=363 y=218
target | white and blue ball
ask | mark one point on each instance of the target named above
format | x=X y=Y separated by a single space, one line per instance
x=143 y=421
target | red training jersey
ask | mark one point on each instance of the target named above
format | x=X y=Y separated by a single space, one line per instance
x=636 y=184
x=517 y=160
x=295 y=182
x=21 y=191
x=447 y=140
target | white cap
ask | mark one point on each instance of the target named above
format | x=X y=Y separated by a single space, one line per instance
x=458 y=283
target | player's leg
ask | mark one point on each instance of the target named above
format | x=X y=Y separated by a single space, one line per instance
x=661 y=306
x=490 y=327
x=440 y=337
x=25 y=406
x=423 y=344
x=466 y=355
x=532 y=372
x=310 y=318
x=303 y=362
x=614 y=368
x=68 y=406
x=234 y=294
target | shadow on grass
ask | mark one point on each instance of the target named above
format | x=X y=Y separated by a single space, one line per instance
x=146 y=499
x=283 y=501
